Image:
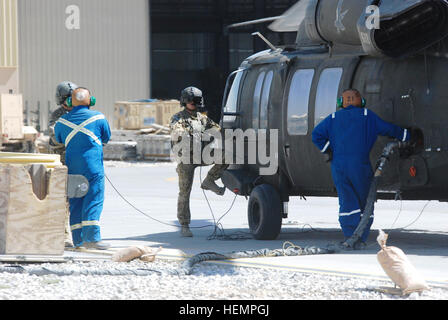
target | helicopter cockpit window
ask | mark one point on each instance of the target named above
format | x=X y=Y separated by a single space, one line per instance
x=298 y=102
x=232 y=99
x=257 y=100
x=265 y=100
x=327 y=93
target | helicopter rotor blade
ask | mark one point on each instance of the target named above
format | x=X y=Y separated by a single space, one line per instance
x=291 y=19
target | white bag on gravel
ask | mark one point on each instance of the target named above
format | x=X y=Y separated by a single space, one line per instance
x=398 y=267
x=145 y=254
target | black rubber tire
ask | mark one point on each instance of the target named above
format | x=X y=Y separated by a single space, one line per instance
x=265 y=213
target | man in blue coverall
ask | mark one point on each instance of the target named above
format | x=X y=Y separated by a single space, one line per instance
x=84 y=132
x=348 y=137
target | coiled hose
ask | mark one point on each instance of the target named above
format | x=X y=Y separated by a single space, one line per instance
x=184 y=270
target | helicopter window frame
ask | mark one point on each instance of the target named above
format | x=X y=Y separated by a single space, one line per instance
x=264 y=103
x=302 y=80
x=260 y=104
x=327 y=93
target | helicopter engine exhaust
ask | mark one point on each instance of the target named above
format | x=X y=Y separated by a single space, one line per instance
x=404 y=27
x=392 y=28
x=409 y=31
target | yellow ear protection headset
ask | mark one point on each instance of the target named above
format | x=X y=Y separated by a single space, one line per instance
x=69 y=101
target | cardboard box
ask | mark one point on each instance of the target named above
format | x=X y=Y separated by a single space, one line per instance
x=11 y=116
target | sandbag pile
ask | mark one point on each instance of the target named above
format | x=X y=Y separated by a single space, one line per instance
x=399 y=268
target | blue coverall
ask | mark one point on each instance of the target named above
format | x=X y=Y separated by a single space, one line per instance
x=84 y=132
x=350 y=135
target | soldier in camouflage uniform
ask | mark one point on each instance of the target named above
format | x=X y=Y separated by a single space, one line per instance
x=63 y=92
x=189 y=122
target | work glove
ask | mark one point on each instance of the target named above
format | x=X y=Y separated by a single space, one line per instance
x=415 y=141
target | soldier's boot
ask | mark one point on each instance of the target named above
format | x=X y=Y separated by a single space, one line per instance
x=185 y=232
x=211 y=185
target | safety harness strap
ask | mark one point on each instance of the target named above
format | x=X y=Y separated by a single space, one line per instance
x=81 y=128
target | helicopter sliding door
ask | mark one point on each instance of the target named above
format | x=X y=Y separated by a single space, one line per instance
x=311 y=93
x=259 y=97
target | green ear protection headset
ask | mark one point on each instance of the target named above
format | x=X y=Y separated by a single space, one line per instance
x=340 y=103
x=69 y=101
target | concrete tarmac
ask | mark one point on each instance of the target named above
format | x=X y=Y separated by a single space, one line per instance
x=152 y=189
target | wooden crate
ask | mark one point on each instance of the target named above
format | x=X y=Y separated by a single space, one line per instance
x=11 y=116
x=166 y=110
x=154 y=147
x=120 y=151
x=134 y=115
x=28 y=225
x=141 y=115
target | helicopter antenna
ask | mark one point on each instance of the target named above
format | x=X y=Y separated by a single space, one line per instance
x=248 y=23
x=265 y=40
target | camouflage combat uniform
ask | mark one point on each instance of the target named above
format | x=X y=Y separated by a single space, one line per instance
x=55 y=147
x=58 y=148
x=191 y=123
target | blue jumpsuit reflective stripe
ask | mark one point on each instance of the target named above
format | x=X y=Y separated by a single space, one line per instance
x=84 y=132
x=351 y=134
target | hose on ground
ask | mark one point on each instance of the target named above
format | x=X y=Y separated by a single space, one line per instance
x=184 y=270
x=293 y=251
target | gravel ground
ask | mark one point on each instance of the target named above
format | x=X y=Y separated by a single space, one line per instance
x=208 y=282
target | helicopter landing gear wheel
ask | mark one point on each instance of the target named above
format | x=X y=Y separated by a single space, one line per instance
x=265 y=213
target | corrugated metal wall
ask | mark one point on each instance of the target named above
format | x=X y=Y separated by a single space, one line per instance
x=8 y=33
x=107 y=50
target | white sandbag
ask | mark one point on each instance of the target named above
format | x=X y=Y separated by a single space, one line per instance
x=398 y=267
x=150 y=257
x=132 y=253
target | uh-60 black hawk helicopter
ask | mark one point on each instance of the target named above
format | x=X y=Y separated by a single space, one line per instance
x=399 y=67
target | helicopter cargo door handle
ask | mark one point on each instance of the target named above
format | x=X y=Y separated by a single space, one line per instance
x=233 y=114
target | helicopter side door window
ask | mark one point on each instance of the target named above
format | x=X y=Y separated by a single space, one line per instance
x=257 y=100
x=261 y=100
x=232 y=99
x=327 y=93
x=298 y=102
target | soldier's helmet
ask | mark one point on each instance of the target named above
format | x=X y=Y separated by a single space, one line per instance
x=192 y=95
x=64 y=91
